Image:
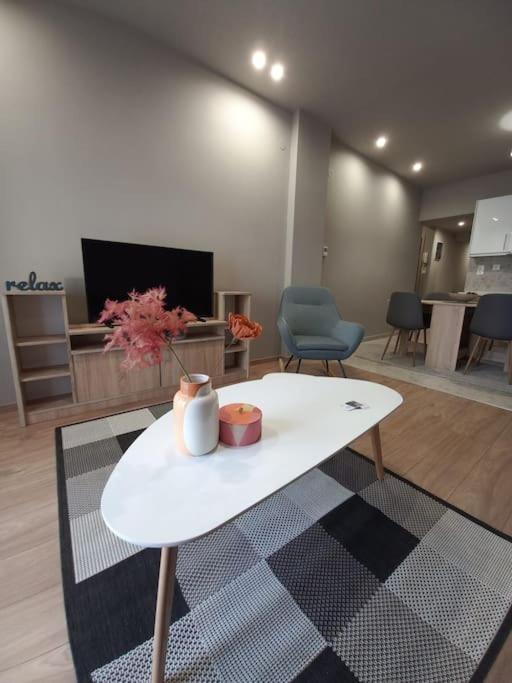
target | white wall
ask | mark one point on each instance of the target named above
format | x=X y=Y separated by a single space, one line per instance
x=455 y=199
x=373 y=236
x=106 y=134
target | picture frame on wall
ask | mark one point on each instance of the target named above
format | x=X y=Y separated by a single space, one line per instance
x=439 y=251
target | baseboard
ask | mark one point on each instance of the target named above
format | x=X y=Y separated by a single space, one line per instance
x=267 y=359
x=371 y=337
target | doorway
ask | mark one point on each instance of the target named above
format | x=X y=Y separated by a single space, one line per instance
x=443 y=258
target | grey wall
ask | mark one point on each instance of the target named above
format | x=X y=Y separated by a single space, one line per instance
x=106 y=134
x=307 y=194
x=373 y=237
x=453 y=199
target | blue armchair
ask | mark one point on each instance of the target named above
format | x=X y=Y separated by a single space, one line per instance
x=311 y=327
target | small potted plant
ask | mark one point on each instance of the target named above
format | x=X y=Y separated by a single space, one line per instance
x=142 y=327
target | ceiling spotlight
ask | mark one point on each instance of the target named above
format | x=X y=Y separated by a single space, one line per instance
x=381 y=141
x=461 y=224
x=417 y=166
x=495 y=219
x=277 y=71
x=259 y=59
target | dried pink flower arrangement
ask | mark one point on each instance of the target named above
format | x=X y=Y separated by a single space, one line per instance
x=141 y=326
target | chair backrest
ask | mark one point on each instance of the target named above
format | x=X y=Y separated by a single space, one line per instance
x=437 y=296
x=309 y=310
x=493 y=317
x=405 y=311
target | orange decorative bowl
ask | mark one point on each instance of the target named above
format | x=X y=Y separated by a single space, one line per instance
x=240 y=424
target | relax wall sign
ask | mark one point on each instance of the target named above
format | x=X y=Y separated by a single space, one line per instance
x=32 y=285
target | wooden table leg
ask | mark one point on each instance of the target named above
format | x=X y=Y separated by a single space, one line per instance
x=377 y=451
x=163 y=612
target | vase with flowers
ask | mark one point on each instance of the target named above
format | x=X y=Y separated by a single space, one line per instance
x=142 y=327
x=242 y=328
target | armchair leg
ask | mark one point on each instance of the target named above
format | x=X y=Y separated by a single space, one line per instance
x=342 y=370
x=387 y=344
x=288 y=363
x=326 y=362
x=425 y=343
x=298 y=365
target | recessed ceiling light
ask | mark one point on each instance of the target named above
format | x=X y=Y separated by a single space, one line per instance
x=381 y=141
x=511 y=152
x=417 y=166
x=259 y=59
x=277 y=71
x=461 y=223
x=495 y=219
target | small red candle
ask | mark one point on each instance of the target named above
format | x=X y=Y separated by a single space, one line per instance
x=240 y=424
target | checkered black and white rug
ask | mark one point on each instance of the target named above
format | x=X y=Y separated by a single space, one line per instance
x=339 y=577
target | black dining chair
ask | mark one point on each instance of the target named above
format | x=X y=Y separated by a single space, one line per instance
x=405 y=313
x=492 y=321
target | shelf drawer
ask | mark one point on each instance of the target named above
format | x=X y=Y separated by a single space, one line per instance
x=99 y=375
x=202 y=356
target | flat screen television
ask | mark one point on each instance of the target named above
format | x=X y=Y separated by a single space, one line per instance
x=112 y=269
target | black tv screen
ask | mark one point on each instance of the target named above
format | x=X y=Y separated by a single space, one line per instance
x=112 y=269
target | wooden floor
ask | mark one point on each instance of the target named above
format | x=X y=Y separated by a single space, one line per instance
x=455 y=448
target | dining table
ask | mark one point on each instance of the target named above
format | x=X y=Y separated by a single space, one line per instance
x=449 y=337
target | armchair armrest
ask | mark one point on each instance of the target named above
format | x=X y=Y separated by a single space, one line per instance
x=350 y=334
x=286 y=335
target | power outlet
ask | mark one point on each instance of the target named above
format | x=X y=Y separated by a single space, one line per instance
x=496 y=266
x=480 y=270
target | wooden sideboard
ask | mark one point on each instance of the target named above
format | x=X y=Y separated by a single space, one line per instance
x=60 y=370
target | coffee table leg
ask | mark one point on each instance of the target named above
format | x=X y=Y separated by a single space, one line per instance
x=377 y=451
x=163 y=612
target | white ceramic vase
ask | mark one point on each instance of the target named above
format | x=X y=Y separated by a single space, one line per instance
x=196 y=416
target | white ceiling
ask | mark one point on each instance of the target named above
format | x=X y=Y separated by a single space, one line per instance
x=434 y=75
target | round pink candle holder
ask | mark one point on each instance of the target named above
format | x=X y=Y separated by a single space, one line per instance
x=240 y=424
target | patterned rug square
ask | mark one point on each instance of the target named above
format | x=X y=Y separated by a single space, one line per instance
x=338 y=577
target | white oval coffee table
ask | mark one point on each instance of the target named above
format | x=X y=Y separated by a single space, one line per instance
x=156 y=497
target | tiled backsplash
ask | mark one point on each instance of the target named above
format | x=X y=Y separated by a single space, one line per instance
x=491 y=280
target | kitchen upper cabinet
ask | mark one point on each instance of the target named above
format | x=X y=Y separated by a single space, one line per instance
x=491 y=234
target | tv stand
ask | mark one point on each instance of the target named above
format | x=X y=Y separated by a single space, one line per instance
x=61 y=371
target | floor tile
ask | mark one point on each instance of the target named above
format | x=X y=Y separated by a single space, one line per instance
x=86 y=432
x=273 y=523
x=129 y=422
x=461 y=608
x=206 y=565
x=187 y=660
x=255 y=631
x=370 y=536
x=324 y=579
x=386 y=641
x=316 y=493
x=475 y=550
x=350 y=470
x=404 y=504
x=92 y=456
